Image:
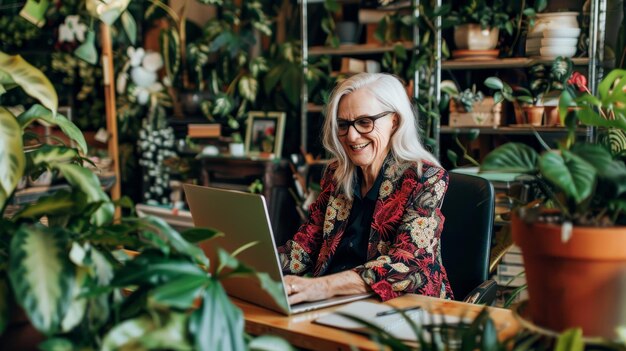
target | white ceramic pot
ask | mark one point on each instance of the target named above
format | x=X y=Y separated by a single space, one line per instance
x=471 y=36
x=237 y=149
x=554 y=20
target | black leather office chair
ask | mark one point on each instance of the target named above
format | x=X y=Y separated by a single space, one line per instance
x=466 y=237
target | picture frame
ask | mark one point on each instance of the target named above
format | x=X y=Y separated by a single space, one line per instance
x=264 y=134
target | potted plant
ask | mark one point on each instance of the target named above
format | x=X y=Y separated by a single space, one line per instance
x=543 y=87
x=69 y=278
x=478 y=23
x=573 y=241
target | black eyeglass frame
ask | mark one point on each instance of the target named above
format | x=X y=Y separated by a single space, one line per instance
x=354 y=122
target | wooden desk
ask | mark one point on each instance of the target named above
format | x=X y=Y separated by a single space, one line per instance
x=300 y=331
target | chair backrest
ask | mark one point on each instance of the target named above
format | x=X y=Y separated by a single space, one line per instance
x=466 y=238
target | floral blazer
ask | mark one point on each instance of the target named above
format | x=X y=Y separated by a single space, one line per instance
x=404 y=252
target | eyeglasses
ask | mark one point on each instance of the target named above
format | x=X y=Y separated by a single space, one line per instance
x=363 y=125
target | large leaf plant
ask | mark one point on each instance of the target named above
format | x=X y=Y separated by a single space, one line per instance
x=70 y=277
x=585 y=181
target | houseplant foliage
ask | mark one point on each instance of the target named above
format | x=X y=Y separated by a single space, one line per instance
x=579 y=245
x=70 y=278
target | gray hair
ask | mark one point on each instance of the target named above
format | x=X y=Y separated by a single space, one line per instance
x=391 y=94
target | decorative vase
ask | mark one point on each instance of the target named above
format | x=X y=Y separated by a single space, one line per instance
x=471 y=36
x=348 y=32
x=191 y=102
x=577 y=283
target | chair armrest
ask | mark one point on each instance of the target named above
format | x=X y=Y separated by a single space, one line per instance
x=484 y=294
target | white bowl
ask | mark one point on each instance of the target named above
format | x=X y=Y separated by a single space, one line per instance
x=554 y=51
x=559 y=42
x=561 y=33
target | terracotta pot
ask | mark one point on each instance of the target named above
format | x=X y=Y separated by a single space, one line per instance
x=579 y=283
x=534 y=115
x=552 y=116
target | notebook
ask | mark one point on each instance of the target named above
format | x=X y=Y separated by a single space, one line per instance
x=243 y=218
x=394 y=323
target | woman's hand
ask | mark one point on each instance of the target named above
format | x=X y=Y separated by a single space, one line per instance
x=302 y=289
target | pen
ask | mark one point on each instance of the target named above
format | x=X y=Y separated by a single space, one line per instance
x=386 y=313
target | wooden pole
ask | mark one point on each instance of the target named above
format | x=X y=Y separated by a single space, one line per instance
x=110 y=110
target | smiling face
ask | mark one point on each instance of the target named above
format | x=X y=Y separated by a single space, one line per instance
x=367 y=151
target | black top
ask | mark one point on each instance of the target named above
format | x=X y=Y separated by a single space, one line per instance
x=352 y=250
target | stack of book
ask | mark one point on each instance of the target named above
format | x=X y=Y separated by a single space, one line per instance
x=510 y=277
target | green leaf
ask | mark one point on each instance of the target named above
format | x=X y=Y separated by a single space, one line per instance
x=167 y=332
x=50 y=155
x=154 y=269
x=180 y=292
x=107 y=12
x=239 y=269
x=173 y=238
x=453 y=157
x=511 y=158
x=196 y=235
x=291 y=82
x=602 y=160
x=56 y=344
x=269 y=343
x=31 y=79
x=78 y=304
x=83 y=179
x=170 y=49
x=130 y=26
x=565 y=101
x=39 y=112
x=494 y=83
x=223 y=105
x=248 y=87
x=41 y=275
x=218 y=324
x=605 y=87
x=570 y=340
x=12 y=162
x=489 y=338
x=570 y=173
x=61 y=202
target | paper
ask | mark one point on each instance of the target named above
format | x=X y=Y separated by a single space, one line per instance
x=395 y=324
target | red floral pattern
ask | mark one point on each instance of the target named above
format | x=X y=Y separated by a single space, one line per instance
x=404 y=251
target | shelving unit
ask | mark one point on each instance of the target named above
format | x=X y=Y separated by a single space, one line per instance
x=593 y=62
x=521 y=130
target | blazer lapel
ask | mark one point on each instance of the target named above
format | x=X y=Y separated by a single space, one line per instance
x=335 y=220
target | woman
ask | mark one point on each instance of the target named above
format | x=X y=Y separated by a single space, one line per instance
x=376 y=223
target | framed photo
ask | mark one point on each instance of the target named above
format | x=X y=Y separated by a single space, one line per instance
x=264 y=135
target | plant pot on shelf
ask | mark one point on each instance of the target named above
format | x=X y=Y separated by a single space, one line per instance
x=552 y=116
x=191 y=102
x=484 y=113
x=534 y=114
x=471 y=36
x=577 y=283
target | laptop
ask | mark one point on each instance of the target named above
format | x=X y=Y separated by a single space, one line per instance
x=243 y=218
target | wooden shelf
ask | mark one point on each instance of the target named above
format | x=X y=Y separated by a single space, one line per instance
x=513 y=62
x=358 y=49
x=509 y=130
